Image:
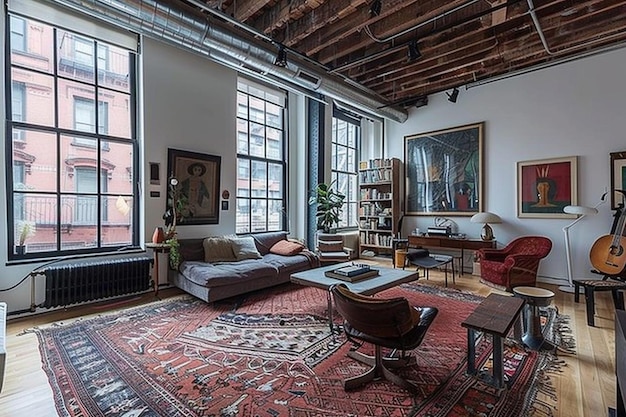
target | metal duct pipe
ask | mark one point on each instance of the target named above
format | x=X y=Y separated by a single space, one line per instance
x=195 y=33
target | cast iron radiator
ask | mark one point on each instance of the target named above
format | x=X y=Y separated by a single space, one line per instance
x=77 y=281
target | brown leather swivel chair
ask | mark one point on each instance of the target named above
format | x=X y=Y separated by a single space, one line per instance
x=389 y=323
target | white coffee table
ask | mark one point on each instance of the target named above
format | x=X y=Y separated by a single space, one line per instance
x=387 y=278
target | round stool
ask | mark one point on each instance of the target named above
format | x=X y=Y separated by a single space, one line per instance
x=534 y=298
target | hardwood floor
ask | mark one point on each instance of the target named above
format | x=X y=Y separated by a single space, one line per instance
x=585 y=386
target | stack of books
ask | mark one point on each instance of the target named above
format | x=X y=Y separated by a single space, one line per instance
x=352 y=273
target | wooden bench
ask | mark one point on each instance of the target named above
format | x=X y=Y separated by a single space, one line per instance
x=495 y=315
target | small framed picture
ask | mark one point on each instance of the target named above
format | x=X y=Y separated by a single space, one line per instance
x=546 y=186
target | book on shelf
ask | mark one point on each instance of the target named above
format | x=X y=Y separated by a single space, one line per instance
x=353 y=278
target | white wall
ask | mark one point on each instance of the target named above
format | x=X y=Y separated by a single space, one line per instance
x=573 y=109
x=189 y=104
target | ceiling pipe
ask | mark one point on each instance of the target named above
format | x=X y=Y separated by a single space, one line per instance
x=544 y=41
x=214 y=40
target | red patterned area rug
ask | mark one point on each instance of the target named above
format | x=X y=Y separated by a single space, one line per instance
x=272 y=354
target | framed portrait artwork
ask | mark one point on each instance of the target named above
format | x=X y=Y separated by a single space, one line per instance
x=198 y=182
x=443 y=171
x=618 y=178
x=546 y=186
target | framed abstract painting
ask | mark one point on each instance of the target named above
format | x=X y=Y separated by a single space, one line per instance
x=546 y=186
x=618 y=178
x=443 y=171
x=198 y=182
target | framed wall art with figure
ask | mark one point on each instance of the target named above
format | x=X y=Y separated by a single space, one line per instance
x=546 y=186
x=618 y=178
x=198 y=185
x=443 y=171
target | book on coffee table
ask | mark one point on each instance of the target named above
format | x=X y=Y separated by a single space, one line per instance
x=353 y=278
x=352 y=270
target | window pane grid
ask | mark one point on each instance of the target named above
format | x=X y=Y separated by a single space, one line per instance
x=344 y=153
x=260 y=159
x=68 y=125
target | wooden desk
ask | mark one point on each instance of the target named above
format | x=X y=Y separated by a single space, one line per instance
x=451 y=243
x=495 y=315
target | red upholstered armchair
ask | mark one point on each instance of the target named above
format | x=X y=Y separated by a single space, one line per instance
x=514 y=265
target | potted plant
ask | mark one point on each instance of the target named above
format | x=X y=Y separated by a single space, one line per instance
x=329 y=206
x=24 y=231
x=175 y=202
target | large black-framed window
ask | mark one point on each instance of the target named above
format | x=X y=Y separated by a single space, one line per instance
x=345 y=142
x=72 y=165
x=261 y=158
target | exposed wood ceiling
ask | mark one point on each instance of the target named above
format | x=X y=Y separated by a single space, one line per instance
x=460 y=41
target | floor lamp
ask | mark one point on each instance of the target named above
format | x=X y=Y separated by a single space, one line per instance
x=582 y=211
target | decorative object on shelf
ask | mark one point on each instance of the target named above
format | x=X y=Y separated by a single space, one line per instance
x=580 y=211
x=486 y=217
x=618 y=178
x=546 y=186
x=329 y=206
x=159 y=235
x=198 y=183
x=443 y=171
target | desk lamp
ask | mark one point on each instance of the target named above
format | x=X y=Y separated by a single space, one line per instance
x=486 y=218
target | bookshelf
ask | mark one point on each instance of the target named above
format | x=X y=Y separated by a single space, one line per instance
x=379 y=204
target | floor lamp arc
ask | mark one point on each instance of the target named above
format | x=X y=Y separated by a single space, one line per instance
x=582 y=212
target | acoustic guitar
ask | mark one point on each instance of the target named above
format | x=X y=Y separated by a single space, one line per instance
x=607 y=253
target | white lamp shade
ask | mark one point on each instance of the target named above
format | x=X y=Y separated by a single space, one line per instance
x=580 y=210
x=485 y=217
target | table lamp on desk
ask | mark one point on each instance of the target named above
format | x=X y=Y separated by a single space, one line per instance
x=486 y=217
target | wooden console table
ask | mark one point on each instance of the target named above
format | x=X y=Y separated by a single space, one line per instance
x=451 y=243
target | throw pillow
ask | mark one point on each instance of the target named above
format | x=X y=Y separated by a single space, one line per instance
x=244 y=248
x=286 y=248
x=218 y=249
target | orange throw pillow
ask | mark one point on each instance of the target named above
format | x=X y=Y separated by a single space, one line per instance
x=286 y=248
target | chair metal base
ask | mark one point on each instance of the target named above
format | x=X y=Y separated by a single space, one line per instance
x=380 y=369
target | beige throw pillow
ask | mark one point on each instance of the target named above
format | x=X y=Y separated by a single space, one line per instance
x=218 y=249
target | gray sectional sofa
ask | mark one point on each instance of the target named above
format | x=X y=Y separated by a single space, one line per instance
x=223 y=278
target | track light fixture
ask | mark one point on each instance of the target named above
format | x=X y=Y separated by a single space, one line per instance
x=376 y=7
x=453 y=95
x=281 y=57
x=414 y=52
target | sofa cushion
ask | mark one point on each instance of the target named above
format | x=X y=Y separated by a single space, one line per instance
x=218 y=249
x=230 y=273
x=244 y=248
x=330 y=246
x=264 y=241
x=191 y=249
x=286 y=247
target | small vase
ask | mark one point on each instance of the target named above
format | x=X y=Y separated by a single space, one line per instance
x=20 y=249
x=158 y=236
